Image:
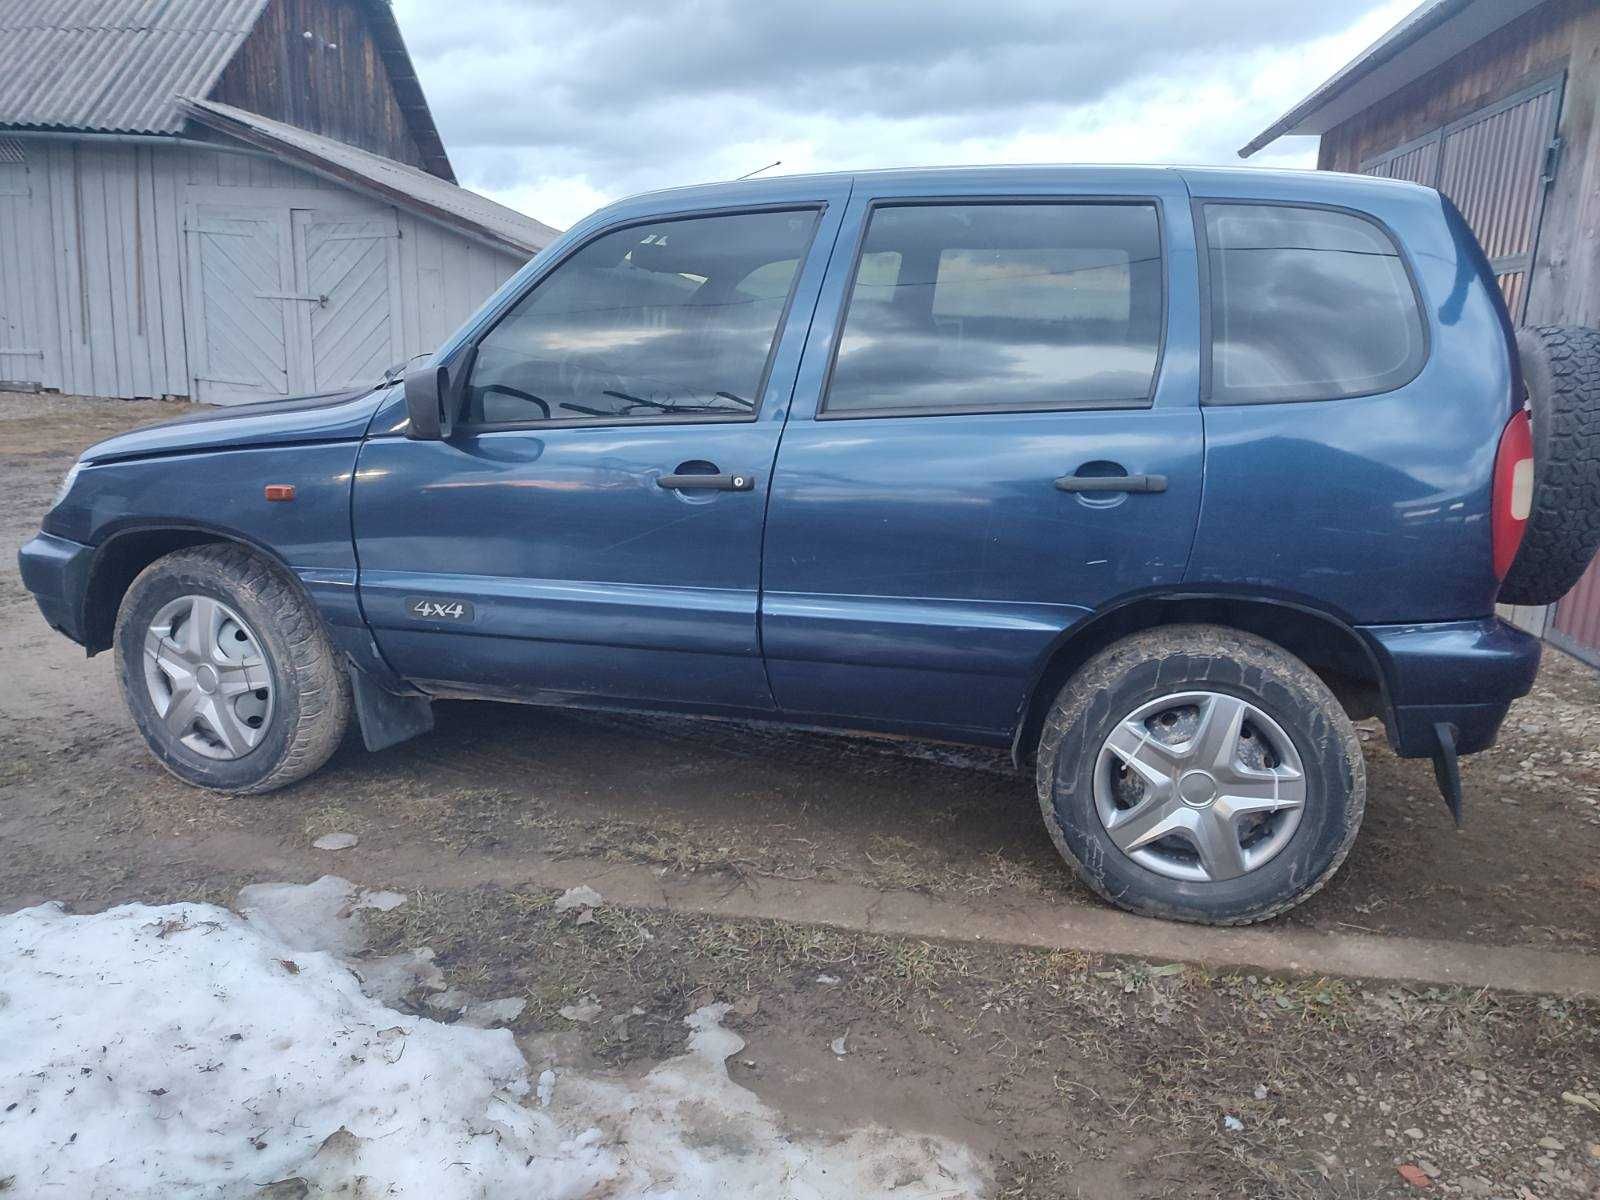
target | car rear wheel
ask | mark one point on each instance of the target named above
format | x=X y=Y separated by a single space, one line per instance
x=228 y=671
x=1201 y=774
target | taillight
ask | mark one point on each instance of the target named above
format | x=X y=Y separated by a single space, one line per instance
x=1513 y=491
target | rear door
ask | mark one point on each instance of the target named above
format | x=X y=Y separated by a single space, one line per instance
x=592 y=531
x=996 y=431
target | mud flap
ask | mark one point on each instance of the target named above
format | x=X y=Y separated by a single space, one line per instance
x=1447 y=768
x=387 y=719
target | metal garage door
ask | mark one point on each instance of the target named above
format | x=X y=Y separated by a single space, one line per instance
x=1496 y=164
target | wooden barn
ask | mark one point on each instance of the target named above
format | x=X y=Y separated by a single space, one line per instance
x=228 y=200
x=1497 y=104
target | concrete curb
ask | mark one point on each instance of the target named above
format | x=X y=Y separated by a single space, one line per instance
x=1051 y=925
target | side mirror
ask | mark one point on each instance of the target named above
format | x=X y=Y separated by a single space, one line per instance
x=427 y=403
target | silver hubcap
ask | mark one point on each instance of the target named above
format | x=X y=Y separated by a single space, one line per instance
x=1199 y=786
x=208 y=678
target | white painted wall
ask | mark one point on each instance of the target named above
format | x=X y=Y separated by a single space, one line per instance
x=95 y=297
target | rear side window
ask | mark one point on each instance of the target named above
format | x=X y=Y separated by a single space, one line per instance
x=1002 y=307
x=1307 y=304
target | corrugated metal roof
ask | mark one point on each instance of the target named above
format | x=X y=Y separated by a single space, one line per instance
x=405 y=185
x=114 y=66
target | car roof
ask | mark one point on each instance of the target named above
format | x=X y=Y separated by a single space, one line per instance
x=1328 y=187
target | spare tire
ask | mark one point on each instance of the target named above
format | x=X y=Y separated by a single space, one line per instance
x=1561 y=367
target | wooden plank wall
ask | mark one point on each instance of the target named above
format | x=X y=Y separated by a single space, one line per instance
x=1535 y=45
x=333 y=83
x=93 y=258
x=443 y=279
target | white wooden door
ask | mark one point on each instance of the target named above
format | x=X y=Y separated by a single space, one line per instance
x=348 y=268
x=241 y=278
x=22 y=351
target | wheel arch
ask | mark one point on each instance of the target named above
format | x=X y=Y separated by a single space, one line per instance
x=1325 y=642
x=120 y=558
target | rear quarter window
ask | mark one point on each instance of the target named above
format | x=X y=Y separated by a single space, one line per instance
x=1307 y=304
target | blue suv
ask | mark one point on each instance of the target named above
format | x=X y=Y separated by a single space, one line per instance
x=1157 y=476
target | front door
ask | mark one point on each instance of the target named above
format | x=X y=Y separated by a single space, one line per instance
x=1000 y=435
x=592 y=530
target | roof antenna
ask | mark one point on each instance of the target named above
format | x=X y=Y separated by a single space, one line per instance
x=777 y=162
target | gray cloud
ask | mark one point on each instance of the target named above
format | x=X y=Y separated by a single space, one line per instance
x=628 y=94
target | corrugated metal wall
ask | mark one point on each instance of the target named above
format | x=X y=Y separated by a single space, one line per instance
x=1491 y=163
x=94 y=262
x=1577 y=621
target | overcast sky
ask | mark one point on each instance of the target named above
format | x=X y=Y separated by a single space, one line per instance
x=558 y=106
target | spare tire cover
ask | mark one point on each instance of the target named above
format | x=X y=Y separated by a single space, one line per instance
x=1561 y=367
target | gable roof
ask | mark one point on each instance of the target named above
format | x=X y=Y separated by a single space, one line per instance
x=397 y=182
x=119 y=66
x=1432 y=34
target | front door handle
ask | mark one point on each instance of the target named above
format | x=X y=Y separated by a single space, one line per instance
x=736 y=481
x=1112 y=483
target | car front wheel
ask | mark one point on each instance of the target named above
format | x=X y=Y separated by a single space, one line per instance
x=1201 y=774
x=228 y=671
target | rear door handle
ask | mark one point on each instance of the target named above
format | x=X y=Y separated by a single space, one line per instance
x=1112 y=483
x=726 y=482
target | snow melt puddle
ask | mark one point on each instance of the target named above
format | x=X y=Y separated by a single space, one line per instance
x=187 y=1051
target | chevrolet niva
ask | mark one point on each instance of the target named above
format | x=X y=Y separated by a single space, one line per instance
x=1159 y=476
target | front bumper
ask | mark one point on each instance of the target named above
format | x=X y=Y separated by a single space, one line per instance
x=1462 y=674
x=56 y=571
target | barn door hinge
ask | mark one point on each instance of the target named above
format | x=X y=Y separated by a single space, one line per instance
x=1552 y=162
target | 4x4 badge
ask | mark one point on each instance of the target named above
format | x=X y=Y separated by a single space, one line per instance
x=439 y=610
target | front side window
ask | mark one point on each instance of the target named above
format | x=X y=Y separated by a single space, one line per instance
x=1307 y=304
x=1001 y=307
x=650 y=322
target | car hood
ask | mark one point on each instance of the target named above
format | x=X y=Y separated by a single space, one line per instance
x=329 y=417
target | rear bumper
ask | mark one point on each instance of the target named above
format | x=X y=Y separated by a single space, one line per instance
x=56 y=571
x=1463 y=674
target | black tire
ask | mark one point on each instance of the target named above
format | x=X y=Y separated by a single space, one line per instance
x=311 y=693
x=1561 y=366
x=1160 y=662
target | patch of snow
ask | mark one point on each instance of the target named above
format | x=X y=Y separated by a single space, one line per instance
x=335 y=841
x=311 y=916
x=393 y=977
x=582 y=896
x=584 y=1011
x=487 y=1013
x=382 y=901
x=183 y=1052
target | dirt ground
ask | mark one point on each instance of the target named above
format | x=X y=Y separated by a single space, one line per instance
x=1080 y=1076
